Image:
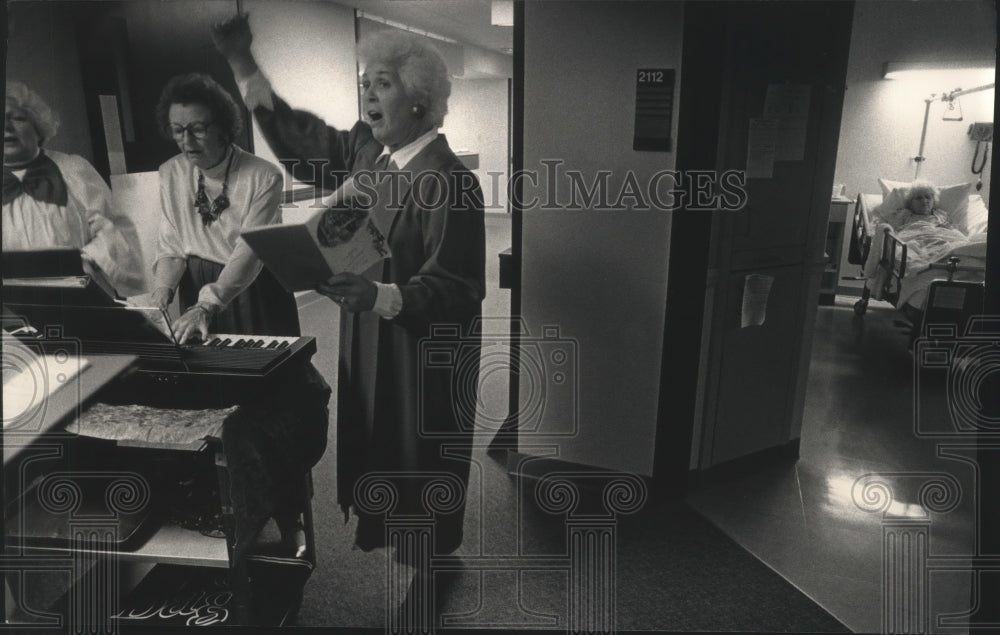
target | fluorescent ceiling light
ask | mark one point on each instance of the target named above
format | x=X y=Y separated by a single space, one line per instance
x=502 y=13
x=406 y=27
x=896 y=70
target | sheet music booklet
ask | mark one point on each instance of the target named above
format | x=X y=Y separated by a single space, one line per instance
x=342 y=236
x=56 y=275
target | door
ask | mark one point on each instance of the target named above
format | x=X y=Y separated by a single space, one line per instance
x=764 y=98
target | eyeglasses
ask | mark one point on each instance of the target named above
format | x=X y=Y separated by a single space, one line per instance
x=198 y=130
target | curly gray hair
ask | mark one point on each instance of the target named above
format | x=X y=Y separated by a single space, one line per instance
x=420 y=66
x=921 y=187
x=45 y=120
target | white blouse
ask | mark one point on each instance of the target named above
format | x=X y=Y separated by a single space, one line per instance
x=254 y=192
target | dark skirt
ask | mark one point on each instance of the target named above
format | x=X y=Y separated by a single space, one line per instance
x=264 y=308
x=274 y=439
x=271 y=442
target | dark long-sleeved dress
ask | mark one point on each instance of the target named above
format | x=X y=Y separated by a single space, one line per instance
x=406 y=403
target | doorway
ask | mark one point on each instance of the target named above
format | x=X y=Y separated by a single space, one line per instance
x=811 y=518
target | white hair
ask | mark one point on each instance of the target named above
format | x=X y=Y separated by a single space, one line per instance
x=922 y=187
x=420 y=67
x=45 y=120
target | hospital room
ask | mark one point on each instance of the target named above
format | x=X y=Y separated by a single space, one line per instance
x=700 y=356
x=918 y=110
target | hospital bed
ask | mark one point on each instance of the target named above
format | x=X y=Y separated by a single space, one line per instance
x=902 y=275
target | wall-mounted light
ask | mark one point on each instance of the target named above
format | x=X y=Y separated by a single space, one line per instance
x=951 y=114
x=502 y=13
x=898 y=70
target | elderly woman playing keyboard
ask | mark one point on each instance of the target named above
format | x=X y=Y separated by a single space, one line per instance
x=209 y=193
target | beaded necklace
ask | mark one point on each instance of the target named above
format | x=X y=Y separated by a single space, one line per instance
x=210 y=213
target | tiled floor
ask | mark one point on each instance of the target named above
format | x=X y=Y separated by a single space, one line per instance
x=864 y=473
x=672 y=575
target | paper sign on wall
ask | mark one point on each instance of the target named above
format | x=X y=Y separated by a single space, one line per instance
x=788 y=105
x=756 y=291
x=761 y=148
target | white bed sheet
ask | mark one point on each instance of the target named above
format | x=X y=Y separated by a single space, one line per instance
x=915 y=283
x=919 y=275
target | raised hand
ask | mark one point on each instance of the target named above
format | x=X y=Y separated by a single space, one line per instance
x=232 y=38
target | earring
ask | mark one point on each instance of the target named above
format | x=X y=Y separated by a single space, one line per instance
x=417 y=110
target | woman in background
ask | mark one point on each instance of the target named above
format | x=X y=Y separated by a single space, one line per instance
x=913 y=217
x=52 y=199
x=920 y=204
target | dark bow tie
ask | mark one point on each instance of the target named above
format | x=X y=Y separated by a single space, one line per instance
x=41 y=180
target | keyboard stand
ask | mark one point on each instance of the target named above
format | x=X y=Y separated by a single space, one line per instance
x=182 y=555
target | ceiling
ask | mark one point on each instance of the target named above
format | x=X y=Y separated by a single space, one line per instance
x=467 y=21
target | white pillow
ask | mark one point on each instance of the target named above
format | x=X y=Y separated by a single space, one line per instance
x=953 y=199
x=889 y=209
x=977 y=216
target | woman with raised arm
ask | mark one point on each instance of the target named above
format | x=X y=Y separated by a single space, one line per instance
x=400 y=420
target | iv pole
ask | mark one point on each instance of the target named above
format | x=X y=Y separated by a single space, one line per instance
x=947 y=97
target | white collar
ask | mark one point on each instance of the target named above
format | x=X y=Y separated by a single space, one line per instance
x=217 y=172
x=405 y=154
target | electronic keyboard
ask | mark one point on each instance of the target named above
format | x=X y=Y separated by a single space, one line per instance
x=222 y=370
x=247 y=354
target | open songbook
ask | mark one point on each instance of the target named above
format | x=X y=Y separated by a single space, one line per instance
x=341 y=236
x=55 y=275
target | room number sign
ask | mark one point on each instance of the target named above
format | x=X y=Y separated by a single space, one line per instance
x=654 y=107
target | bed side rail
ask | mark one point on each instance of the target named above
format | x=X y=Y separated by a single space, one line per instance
x=860 y=234
x=894 y=263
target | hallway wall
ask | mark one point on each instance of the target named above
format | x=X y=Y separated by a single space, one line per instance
x=598 y=275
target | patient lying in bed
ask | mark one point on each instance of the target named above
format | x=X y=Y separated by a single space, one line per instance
x=915 y=219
